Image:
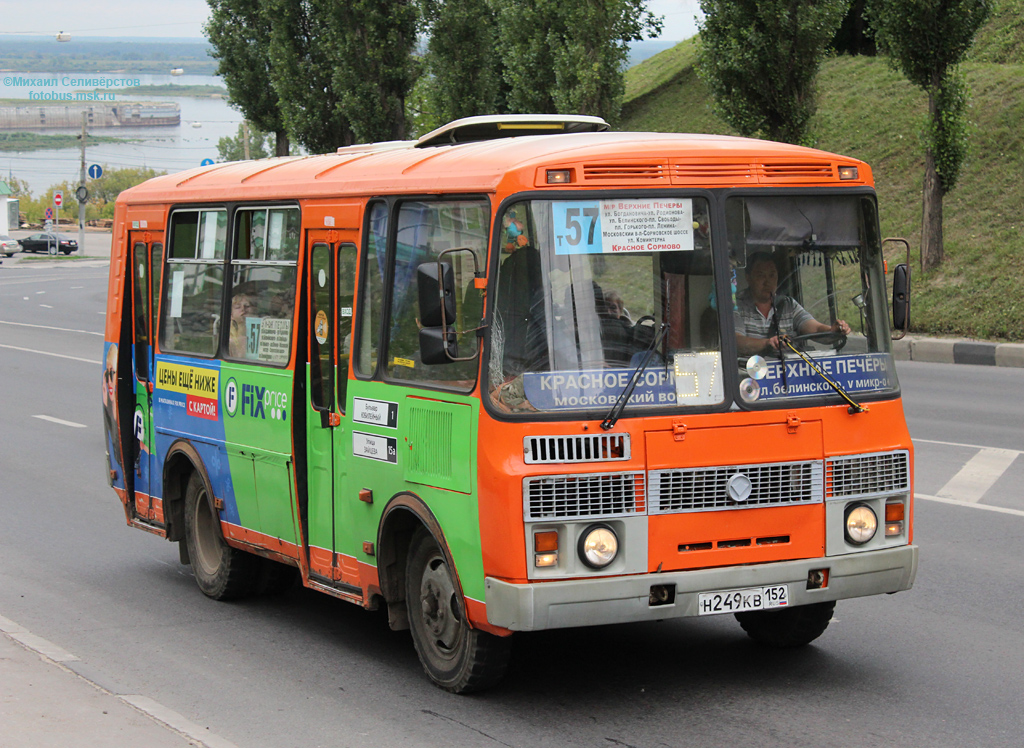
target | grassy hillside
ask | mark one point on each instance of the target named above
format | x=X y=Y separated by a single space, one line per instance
x=868 y=111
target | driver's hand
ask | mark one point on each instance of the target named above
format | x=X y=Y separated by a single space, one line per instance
x=840 y=326
x=774 y=342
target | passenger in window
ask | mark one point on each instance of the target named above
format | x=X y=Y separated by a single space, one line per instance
x=243 y=305
x=757 y=306
x=282 y=304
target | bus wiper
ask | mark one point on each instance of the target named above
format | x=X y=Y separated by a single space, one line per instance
x=620 y=404
x=855 y=407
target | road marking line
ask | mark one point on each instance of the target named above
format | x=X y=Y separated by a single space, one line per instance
x=989 y=507
x=62 y=422
x=153 y=709
x=50 y=327
x=958 y=444
x=47 y=353
x=978 y=475
x=46 y=306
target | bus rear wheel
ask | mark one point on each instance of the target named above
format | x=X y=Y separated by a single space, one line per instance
x=789 y=627
x=457 y=658
x=222 y=572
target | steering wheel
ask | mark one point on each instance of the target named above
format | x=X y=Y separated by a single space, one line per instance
x=834 y=339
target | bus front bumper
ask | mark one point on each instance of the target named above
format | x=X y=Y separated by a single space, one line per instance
x=625 y=599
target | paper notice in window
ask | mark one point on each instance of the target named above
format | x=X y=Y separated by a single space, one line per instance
x=177 y=292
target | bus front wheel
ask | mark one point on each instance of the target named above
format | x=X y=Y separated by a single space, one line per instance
x=457 y=658
x=789 y=627
x=222 y=572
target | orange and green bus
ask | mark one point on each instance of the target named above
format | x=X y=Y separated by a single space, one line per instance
x=501 y=379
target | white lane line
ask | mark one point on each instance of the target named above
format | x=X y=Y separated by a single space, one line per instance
x=154 y=709
x=50 y=327
x=958 y=444
x=978 y=475
x=986 y=507
x=47 y=353
x=46 y=306
x=62 y=422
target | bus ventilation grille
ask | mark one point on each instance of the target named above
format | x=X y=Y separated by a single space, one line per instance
x=693 y=173
x=796 y=172
x=707 y=489
x=880 y=474
x=621 y=172
x=589 y=448
x=583 y=496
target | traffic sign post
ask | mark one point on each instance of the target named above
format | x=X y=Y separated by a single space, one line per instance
x=58 y=200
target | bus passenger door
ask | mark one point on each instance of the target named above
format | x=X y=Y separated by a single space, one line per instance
x=329 y=315
x=147 y=258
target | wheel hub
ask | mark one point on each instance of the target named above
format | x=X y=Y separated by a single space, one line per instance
x=438 y=604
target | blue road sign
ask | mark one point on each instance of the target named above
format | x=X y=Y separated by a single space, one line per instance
x=95 y=171
x=206 y=162
x=49 y=213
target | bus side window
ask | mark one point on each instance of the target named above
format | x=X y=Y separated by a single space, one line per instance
x=191 y=308
x=348 y=256
x=371 y=293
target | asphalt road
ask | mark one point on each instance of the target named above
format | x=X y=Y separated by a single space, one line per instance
x=940 y=665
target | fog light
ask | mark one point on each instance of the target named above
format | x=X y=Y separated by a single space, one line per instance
x=541 y=560
x=861 y=524
x=598 y=546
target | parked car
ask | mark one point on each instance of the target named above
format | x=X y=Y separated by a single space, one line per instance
x=9 y=246
x=43 y=243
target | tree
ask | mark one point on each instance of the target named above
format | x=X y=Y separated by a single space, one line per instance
x=372 y=42
x=569 y=57
x=240 y=33
x=261 y=145
x=760 y=58
x=462 y=67
x=302 y=73
x=927 y=40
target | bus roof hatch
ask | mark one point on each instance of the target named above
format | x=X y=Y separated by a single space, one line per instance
x=492 y=127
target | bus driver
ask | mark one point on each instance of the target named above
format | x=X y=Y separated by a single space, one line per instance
x=755 y=311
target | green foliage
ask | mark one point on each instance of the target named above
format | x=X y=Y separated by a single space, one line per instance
x=240 y=34
x=261 y=145
x=946 y=132
x=462 y=64
x=371 y=44
x=302 y=74
x=924 y=38
x=759 y=59
x=569 y=57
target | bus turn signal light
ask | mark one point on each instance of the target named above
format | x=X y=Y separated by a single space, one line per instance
x=545 y=542
x=559 y=176
x=894 y=515
x=847 y=172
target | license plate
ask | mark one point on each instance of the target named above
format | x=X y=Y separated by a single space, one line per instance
x=740 y=601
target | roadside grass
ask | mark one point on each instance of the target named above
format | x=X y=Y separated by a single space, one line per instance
x=869 y=111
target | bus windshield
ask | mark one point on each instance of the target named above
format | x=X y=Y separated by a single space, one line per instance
x=809 y=296
x=583 y=289
x=585 y=286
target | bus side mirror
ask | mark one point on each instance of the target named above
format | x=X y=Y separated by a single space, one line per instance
x=435 y=284
x=901 y=301
x=438 y=345
x=900 y=290
x=436 y=293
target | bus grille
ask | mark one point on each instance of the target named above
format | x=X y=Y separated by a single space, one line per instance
x=583 y=496
x=867 y=475
x=702 y=489
x=589 y=448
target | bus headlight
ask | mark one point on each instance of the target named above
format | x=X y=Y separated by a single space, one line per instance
x=861 y=524
x=598 y=546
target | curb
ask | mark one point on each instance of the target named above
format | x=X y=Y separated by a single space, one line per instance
x=958 y=351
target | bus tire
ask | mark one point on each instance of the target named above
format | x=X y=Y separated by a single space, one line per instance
x=456 y=657
x=789 y=627
x=222 y=572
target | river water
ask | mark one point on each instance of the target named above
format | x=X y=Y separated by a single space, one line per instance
x=204 y=121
